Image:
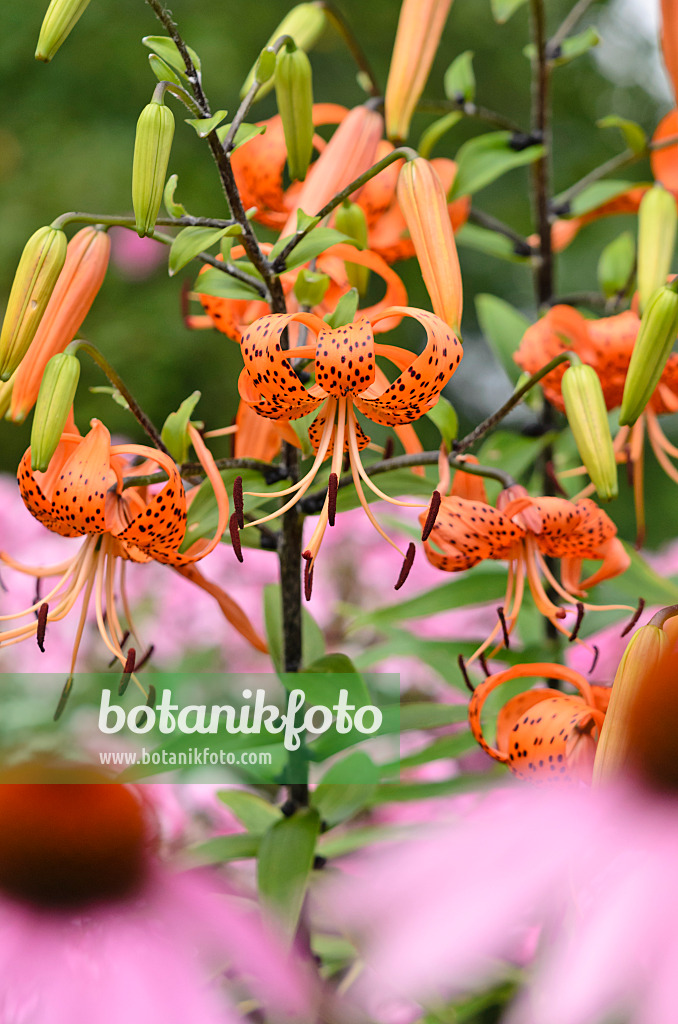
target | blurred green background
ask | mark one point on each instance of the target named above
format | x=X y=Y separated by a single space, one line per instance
x=66 y=140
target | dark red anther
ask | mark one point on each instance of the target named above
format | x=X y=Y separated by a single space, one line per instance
x=388 y=449
x=561 y=613
x=127 y=671
x=235 y=536
x=407 y=565
x=308 y=574
x=577 y=625
x=238 y=502
x=462 y=669
x=332 y=490
x=483 y=665
x=433 y=510
x=596 y=652
x=38 y=592
x=502 y=619
x=42 y=625
x=145 y=658
x=636 y=615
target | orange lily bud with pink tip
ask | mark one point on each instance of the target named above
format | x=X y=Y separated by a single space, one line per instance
x=424 y=205
x=76 y=288
x=420 y=27
x=348 y=154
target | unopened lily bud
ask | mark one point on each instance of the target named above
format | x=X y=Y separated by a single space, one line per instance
x=60 y=18
x=37 y=273
x=587 y=415
x=420 y=27
x=152 y=145
x=351 y=221
x=658 y=329
x=304 y=24
x=78 y=284
x=264 y=69
x=657 y=219
x=310 y=287
x=294 y=95
x=423 y=203
x=635 y=685
x=55 y=400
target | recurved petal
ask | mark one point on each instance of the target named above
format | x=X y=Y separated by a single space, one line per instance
x=417 y=388
x=71 y=498
x=575 y=530
x=268 y=368
x=466 y=532
x=159 y=529
x=344 y=359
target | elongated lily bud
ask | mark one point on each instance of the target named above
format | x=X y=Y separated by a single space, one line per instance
x=657 y=219
x=658 y=328
x=55 y=400
x=155 y=130
x=37 y=273
x=420 y=27
x=348 y=154
x=78 y=284
x=305 y=24
x=351 y=221
x=423 y=202
x=634 y=692
x=294 y=94
x=587 y=415
x=60 y=18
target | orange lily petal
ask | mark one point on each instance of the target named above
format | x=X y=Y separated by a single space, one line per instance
x=268 y=378
x=466 y=532
x=232 y=611
x=418 y=387
x=664 y=162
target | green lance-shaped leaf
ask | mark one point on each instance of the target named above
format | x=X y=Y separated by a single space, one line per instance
x=503 y=327
x=658 y=328
x=304 y=24
x=346 y=788
x=175 y=429
x=460 y=82
x=168 y=51
x=39 y=268
x=294 y=95
x=657 y=219
x=57 y=24
x=587 y=416
x=615 y=265
x=503 y=9
x=152 y=145
x=444 y=415
x=162 y=71
x=55 y=400
x=191 y=241
x=310 y=287
x=285 y=862
x=482 y=160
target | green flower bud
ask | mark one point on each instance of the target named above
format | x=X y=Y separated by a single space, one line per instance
x=60 y=18
x=351 y=221
x=304 y=23
x=294 y=94
x=264 y=69
x=658 y=329
x=39 y=267
x=55 y=399
x=310 y=287
x=657 y=219
x=152 y=145
x=587 y=416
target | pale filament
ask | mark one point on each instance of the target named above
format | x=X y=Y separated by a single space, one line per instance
x=354 y=458
x=337 y=459
x=575 y=600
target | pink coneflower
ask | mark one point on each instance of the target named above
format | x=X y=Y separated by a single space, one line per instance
x=94 y=929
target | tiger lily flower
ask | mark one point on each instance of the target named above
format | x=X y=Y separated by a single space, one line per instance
x=543 y=735
x=233 y=316
x=607 y=346
x=420 y=27
x=347 y=380
x=82 y=493
x=526 y=531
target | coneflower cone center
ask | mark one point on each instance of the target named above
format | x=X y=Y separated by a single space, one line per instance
x=66 y=846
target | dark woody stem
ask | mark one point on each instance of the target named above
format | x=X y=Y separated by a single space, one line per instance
x=470 y=110
x=540 y=168
x=118 y=383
